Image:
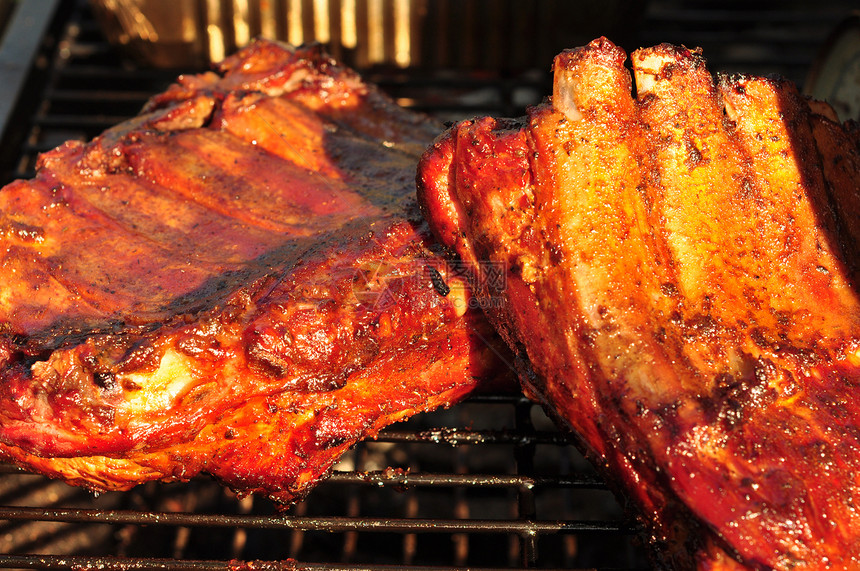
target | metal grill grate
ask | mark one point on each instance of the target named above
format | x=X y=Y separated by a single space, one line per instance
x=489 y=483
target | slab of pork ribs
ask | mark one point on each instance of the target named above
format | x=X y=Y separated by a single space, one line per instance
x=681 y=289
x=236 y=282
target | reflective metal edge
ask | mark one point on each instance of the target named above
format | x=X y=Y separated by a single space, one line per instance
x=18 y=47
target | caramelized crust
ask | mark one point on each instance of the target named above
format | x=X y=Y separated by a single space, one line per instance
x=677 y=286
x=236 y=282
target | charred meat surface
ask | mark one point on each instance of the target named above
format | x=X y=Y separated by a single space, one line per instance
x=236 y=282
x=681 y=289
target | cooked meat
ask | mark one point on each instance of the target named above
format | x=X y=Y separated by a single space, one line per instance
x=680 y=289
x=236 y=282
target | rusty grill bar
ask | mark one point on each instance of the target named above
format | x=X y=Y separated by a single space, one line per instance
x=487 y=484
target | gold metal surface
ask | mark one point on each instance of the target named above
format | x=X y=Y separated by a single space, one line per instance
x=463 y=34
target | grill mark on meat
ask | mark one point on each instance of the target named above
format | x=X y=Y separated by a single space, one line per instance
x=204 y=169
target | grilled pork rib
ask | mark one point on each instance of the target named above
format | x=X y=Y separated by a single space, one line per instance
x=681 y=289
x=236 y=282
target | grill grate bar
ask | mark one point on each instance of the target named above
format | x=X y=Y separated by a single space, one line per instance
x=118 y=75
x=98 y=95
x=801 y=18
x=99 y=123
x=76 y=563
x=456 y=436
x=406 y=479
x=311 y=523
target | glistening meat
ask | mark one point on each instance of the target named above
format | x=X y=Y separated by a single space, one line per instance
x=235 y=282
x=682 y=292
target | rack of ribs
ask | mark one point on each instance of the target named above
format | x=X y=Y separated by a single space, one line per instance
x=236 y=282
x=680 y=292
